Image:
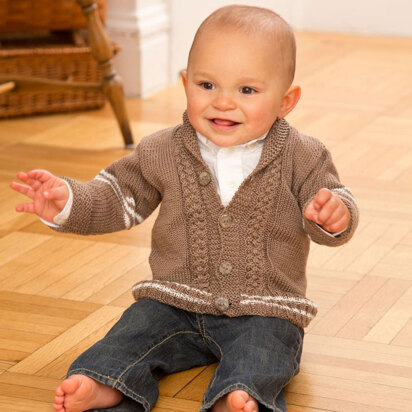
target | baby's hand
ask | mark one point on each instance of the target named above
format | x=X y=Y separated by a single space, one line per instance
x=327 y=210
x=48 y=193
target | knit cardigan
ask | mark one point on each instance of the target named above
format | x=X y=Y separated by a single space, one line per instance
x=248 y=258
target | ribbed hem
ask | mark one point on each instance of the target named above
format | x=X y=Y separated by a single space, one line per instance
x=297 y=310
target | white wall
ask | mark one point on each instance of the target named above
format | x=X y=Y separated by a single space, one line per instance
x=141 y=28
x=372 y=17
x=156 y=34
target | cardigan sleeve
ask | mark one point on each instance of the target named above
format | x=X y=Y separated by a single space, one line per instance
x=323 y=174
x=118 y=198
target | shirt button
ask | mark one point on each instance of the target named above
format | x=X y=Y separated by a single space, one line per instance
x=225 y=221
x=222 y=304
x=225 y=267
x=204 y=178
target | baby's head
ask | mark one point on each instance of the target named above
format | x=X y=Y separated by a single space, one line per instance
x=239 y=74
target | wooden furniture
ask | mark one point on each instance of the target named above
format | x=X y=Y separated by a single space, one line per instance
x=7 y=87
x=102 y=51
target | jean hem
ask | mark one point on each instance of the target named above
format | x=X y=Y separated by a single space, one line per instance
x=236 y=386
x=112 y=383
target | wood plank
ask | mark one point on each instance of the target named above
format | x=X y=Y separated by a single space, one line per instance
x=9 y=403
x=374 y=309
x=59 y=366
x=44 y=306
x=32 y=264
x=166 y=403
x=322 y=402
x=360 y=351
x=195 y=389
x=404 y=337
x=126 y=259
x=171 y=385
x=348 y=306
x=378 y=249
x=66 y=340
x=16 y=244
x=368 y=394
x=393 y=321
x=122 y=284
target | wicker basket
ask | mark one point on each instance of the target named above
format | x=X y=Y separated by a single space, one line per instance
x=61 y=61
x=24 y=15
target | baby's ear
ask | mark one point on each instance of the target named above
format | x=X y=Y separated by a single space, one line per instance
x=183 y=73
x=289 y=100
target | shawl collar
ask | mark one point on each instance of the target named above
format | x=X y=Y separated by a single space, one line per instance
x=273 y=146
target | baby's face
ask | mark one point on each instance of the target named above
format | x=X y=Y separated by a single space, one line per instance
x=234 y=87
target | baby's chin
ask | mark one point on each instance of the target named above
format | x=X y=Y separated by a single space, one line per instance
x=228 y=140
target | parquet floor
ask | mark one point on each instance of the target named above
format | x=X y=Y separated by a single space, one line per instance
x=59 y=293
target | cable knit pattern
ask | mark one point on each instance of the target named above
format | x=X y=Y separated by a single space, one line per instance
x=256 y=235
x=194 y=212
x=248 y=258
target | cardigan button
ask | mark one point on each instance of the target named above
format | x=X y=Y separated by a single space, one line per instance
x=225 y=220
x=204 y=178
x=225 y=267
x=222 y=304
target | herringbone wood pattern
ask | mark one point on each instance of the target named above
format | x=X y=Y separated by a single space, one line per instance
x=60 y=293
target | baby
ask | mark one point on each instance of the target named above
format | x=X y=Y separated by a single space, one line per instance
x=241 y=193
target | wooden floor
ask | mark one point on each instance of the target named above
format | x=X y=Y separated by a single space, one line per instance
x=60 y=293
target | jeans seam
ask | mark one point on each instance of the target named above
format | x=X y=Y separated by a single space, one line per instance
x=220 y=360
x=298 y=349
x=151 y=349
x=200 y=323
x=237 y=386
x=116 y=384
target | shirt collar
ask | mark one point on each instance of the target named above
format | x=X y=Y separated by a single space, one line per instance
x=215 y=148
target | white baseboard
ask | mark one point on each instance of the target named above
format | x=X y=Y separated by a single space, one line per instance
x=143 y=35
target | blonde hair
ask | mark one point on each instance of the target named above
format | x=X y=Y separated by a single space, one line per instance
x=251 y=20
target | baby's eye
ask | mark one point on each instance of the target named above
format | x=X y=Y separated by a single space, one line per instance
x=247 y=90
x=207 y=85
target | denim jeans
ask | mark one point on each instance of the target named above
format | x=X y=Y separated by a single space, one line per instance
x=259 y=355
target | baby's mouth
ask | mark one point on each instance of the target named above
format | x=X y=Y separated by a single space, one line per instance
x=223 y=123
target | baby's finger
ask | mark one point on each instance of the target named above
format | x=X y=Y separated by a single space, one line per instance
x=310 y=212
x=335 y=216
x=25 y=208
x=40 y=174
x=22 y=176
x=30 y=179
x=328 y=209
x=23 y=189
x=338 y=226
x=322 y=197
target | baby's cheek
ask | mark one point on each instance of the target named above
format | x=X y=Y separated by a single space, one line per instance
x=262 y=119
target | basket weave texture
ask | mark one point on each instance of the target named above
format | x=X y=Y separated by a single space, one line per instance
x=65 y=62
x=43 y=15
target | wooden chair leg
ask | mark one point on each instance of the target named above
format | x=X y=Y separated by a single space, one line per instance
x=6 y=87
x=102 y=51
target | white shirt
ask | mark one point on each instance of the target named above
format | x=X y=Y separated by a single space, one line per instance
x=230 y=166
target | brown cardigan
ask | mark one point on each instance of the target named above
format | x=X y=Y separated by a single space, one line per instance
x=248 y=258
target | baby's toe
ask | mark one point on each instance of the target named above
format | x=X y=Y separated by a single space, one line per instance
x=59 y=391
x=71 y=384
x=58 y=407
x=251 y=406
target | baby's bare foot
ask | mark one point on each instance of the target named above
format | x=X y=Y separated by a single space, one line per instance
x=236 y=401
x=79 y=393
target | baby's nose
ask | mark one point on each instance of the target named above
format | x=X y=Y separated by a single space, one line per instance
x=224 y=102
